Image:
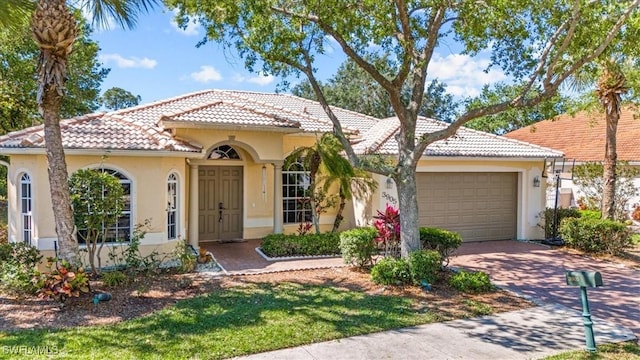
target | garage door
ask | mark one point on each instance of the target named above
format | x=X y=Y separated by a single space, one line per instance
x=480 y=206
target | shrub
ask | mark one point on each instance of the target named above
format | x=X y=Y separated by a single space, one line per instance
x=391 y=271
x=185 y=256
x=358 y=246
x=596 y=235
x=471 y=282
x=18 y=263
x=388 y=226
x=562 y=214
x=424 y=265
x=114 y=278
x=590 y=214
x=443 y=241
x=63 y=282
x=128 y=255
x=635 y=213
x=277 y=245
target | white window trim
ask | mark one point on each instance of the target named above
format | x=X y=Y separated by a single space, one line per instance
x=176 y=204
x=29 y=214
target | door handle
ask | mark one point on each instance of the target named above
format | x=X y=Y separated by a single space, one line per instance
x=220 y=208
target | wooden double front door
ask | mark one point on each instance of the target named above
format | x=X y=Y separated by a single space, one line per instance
x=220 y=203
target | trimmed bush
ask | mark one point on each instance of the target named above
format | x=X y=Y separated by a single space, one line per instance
x=596 y=235
x=358 y=246
x=471 y=282
x=114 y=278
x=590 y=214
x=390 y=271
x=443 y=241
x=18 y=263
x=424 y=265
x=562 y=214
x=278 y=245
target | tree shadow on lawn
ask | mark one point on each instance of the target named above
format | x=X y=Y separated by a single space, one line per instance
x=239 y=320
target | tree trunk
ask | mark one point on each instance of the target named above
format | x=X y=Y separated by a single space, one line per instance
x=58 y=177
x=339 y=217
x=610 y=157
x=408 y=202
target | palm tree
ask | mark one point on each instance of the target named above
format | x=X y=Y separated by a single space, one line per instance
x=358 y=184
x=324 y=155
x=54 y=30
x=610 y=88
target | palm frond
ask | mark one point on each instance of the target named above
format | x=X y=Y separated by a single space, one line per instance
x=124 y=12
x=14 y=14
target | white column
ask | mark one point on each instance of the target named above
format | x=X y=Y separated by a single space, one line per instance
x=277 y=198
x=193 y=206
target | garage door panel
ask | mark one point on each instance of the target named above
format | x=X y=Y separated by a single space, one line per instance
x=480 y=206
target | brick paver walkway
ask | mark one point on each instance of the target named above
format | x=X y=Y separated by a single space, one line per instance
x=538 y=271
x=241 y=258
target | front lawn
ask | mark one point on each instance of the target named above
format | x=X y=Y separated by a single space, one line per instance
x=234 y=321
x=620 y=351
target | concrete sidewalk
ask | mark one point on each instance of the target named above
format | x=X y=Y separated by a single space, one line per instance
x=525 y=334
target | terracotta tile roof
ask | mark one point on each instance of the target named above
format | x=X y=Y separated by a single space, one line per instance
x=466 y=142
x=145 y=127
x=582 y=137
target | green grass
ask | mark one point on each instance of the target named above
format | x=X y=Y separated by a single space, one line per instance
x=620 y=351
x=230 y=322
x=635 y=239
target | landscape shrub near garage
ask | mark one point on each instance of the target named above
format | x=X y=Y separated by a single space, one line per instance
x=358 y=246
x=471 y=282
x=279 y=245
x=562 y=214
x=596 y=235
x=443 y=241
x=422 y=265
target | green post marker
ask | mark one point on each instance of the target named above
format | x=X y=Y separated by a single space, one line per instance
x=585 y=279
x=586 y=320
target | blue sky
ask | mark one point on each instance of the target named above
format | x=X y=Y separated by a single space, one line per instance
x=157 y=60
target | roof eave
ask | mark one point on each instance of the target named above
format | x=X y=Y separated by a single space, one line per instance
x=101 y=152
x=169 y=124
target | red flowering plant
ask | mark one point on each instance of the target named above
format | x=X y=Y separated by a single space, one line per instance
x=387 y=224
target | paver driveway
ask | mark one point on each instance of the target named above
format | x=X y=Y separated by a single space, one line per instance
x=538 y=271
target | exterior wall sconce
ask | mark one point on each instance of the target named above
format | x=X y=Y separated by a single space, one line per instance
x=389 y=183
x=536 y=181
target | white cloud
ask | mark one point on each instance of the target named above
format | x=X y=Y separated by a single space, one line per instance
x=260 y=79
x=132 y=62
x=463 y=75
x=192 y=29
x=206 y=74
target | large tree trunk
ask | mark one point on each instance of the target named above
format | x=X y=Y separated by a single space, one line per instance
x=610 y=158
x=58 y=177
x=408 y=202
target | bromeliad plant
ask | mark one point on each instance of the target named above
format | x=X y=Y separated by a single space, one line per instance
x=61 y=283
x=388 y=226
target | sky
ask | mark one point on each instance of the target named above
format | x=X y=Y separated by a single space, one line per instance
x=157 y=60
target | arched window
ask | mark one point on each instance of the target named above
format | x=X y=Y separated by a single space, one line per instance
x=224 y=152
x=295 y=194
x=172 y=206
x=26 y=205
x=121 y=230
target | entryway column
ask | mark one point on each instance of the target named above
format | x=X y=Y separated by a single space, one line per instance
x=277 y=198
x=193 y=205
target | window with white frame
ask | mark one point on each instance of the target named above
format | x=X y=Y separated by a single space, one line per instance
x=26 y=205
x=121 y=230
x=295 y=194
x=172 y=207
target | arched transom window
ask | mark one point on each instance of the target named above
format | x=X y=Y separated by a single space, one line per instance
x=224 y=152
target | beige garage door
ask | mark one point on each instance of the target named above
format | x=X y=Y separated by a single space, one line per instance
x=480 y=206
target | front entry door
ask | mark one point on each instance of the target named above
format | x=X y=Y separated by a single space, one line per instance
x=220 y=202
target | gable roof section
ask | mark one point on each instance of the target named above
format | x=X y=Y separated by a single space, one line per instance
x=466 y=142
x=146 y=127
x=582 y=137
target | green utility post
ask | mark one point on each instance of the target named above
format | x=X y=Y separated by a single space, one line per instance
x=585 y=279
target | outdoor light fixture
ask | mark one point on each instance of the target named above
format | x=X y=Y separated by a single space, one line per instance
x=389 y=183
x=536 y=181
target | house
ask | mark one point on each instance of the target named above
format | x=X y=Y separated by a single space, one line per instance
x=582 y=138
x=208 y=166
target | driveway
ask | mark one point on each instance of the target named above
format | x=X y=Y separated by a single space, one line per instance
x=539 y=272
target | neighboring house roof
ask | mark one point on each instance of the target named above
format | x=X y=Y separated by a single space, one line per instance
x=582 y=137
x=466 y=142
x=147 y=127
